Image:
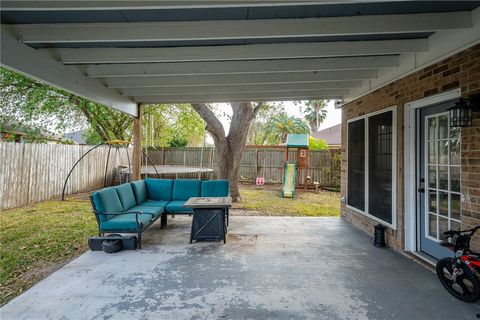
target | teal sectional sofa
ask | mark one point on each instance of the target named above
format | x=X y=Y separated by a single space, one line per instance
x=133 y=207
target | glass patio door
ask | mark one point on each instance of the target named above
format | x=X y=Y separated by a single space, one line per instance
x=439 y=187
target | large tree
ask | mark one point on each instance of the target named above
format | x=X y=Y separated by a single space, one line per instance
x=229 y=147
x=279 y=126
x=315 y=113
x=36 y=105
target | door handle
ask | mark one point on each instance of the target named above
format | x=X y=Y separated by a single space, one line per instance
x=421 y=189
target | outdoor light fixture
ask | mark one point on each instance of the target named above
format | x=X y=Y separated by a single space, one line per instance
x=461 y=114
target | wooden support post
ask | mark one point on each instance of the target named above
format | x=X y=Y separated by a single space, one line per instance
x=137 y=144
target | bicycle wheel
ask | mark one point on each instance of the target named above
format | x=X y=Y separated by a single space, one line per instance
x=466 y=286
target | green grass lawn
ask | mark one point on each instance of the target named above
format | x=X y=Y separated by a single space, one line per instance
x=38 y=239
x=268 y=201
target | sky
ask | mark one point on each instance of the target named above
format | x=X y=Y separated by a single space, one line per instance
x=334 y=116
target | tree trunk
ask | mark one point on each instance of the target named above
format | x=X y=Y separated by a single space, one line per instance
x=229 y=148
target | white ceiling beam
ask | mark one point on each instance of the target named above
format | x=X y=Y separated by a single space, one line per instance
x=240 y=29
x=239 y=67
x=443 y=44
x=231 y=97
x=254 y=78
x=255 y=92
x=239 y=52
x=300 y=86
x=61 y=5
x=30 y=62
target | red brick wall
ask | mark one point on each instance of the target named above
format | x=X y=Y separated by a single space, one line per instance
x=462 y=71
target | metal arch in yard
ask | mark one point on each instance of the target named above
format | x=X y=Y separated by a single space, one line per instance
x=114 y=143
x=76 y=163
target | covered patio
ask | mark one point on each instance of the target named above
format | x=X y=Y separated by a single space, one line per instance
x=146 y=52
x=270 y=268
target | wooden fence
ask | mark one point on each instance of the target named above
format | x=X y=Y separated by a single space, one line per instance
x=256 y=161
x=34 y=172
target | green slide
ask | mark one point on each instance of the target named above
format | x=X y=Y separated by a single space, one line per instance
x=288 y=189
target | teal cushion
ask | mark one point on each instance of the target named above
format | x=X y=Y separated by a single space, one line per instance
x=215 y=188
x=184 y=189
x=125 y=222
x=159 y=189
x=176 y=206
x=107 y=200
x=156 y=211
x=139 y=191
x=154 y=203
x=125 y=193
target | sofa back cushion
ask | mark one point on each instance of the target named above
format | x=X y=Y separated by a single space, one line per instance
x=159 y=189
x=183 y=189
x=125 y=193
x=106 y=200
x=215 y=188
x=139 y=191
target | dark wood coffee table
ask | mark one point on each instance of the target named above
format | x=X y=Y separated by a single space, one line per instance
x=209 y=217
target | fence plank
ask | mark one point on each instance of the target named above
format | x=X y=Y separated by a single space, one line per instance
x=34 y=172
x=267 y=162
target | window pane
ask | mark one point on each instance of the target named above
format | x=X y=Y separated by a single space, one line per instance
x=455 y=206
x=455 y=179
x=443 y=152
x=443 y=127
x=432 y=225
x=443 y=203
x=443 y=177
x=432 y=128
x=432 y=201
x=380 y=131
x=442 y=227
x=356 y=164
x=455 y=152
x=432 y=176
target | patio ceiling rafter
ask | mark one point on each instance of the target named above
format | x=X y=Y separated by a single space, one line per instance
x=82 y=5
x=240 y=29
x=239 y=88
x=26 y=60
x=239 y=67
x=229 y=79
x=238 y=52
x=238 y=97
x=163 y=51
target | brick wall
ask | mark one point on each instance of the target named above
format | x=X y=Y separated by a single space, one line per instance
x=470 y=176
x=462 y=71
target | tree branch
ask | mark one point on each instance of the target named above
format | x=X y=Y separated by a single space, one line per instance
x=213 y=125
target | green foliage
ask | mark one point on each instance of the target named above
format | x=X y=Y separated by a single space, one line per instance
x=167 y=125
x=37 y=105
x=178 y=142
x=315 y=113
x=280 y=125
x=317 y=144
x=257 y=134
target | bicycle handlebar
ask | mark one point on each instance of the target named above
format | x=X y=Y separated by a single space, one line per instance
x=451 y=233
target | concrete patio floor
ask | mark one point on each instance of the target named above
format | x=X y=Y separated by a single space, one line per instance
x=270 y=268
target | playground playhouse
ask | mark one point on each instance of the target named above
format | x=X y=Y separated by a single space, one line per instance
x=296 y=172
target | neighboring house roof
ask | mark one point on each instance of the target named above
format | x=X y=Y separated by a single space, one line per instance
x=18 y=128
x=297 y=140
x=76 y=136
x=332 y=135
